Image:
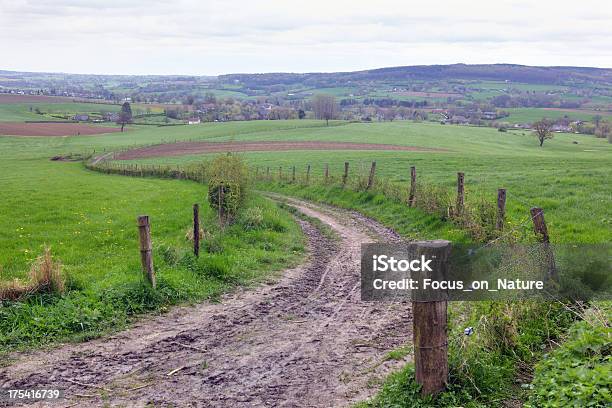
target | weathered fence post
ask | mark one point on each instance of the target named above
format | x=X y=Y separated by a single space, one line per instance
x=196 y=230
x=146 y=255
x=326 y=172
x=257 y=173
x=412 y=195
x=501 y=208
x=280 y=173
x=293 y=175
x=308 y=174
x=268 y=173
x=539 y=227
x=345 y=175
x=371 y=177
x=460 y=193
x=429 y=311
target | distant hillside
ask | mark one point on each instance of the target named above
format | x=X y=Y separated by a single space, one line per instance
x=430 y=86
x=503 y=72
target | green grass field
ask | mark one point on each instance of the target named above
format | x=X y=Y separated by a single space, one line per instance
x=88 y=218
x=570 y=181
x=19 y=112
x=515 y=85
x=89 y=221
x=530 y=115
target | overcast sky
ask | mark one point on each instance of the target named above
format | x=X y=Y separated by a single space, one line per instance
x=210 y=37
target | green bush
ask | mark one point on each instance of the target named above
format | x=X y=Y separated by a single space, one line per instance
x=227 y=186
x=577 y=373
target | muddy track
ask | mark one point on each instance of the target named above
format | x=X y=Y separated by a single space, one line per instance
x=304 y=341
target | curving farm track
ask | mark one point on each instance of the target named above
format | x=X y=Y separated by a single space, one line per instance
x=306 y=340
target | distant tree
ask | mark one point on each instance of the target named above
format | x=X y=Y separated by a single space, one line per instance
x=603 y=129
x=174 y=113
x=125 y=116
x=301 y=114
x=597 y=119
x=389 y=114
x=543 y=129
x=324 y=107
x=190 y=100
x=209 y=97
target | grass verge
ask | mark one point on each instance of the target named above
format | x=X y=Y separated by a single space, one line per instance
x=242 y=253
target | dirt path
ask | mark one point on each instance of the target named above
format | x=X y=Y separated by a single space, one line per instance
x=304 y=341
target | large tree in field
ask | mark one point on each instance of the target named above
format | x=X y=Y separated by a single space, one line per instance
x=125 y=116
x=543 y=129
x=324 y=107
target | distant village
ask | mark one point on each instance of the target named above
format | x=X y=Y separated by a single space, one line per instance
x=193 y=110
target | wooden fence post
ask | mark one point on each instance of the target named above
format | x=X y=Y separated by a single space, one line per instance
x=280 y=173
x=345 y=175
x=412 y=195
x=371 y=178
x=501 y=208
x=308 y=174
x=146 y=255
x=326 y=172
x=539 y=227
x=196 y=230
x=293 y=175
x=257 y=173
x=460 y=193
x=268 y=173
x=430 y=321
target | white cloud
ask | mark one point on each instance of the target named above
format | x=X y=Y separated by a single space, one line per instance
x=211 y=37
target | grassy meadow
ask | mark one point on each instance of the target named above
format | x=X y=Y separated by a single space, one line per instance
x=530 y=115
x=89 y=221
x=571 y=182
x=20 y=112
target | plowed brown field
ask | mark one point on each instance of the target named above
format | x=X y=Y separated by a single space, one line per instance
x=183 y=148
x=14 y=98
x=52 y=129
